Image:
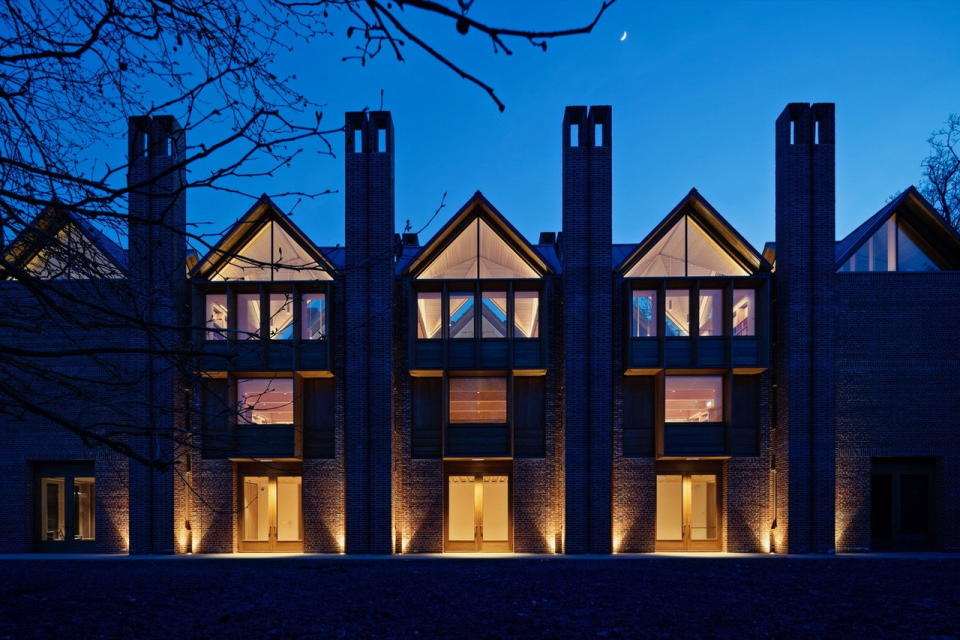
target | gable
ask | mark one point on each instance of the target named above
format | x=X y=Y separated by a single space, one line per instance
x=685 y=250
x=264 y=245
x=905 y=235
x=58 y=247
x=476 y=251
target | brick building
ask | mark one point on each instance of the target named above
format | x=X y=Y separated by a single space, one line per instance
x=481 y=392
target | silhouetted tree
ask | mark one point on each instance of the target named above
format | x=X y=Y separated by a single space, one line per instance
x=940 y=183
x=71 y=74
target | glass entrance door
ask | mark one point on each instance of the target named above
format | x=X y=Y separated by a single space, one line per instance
x=66 y=501
x=688 y=516
x=271 y=518
x=478 y=512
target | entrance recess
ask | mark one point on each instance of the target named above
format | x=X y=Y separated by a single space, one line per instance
x=902 y=504
x=66 y=506
x=478 y=510
x=688 y=512
x=271 y=517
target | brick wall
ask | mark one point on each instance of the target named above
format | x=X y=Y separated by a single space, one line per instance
x=897 y=366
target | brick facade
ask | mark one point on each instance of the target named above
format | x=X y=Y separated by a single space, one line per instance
x=862 y=371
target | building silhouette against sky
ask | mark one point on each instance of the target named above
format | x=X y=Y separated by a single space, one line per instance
x=477 y=391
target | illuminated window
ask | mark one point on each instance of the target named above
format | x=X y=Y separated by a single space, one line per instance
x=265 y=400
x=677 y=312
x=429 y=318
x=460 y=324
x=248 y=316
x=744 y=312
x=313 y=313
x=478 y=252
x=281 y=316
x=693 y=399
x=893 y=247
x=643 y=314
x=216 y=316
x=711 y=318
x=272 y=254
x=685 y=250
x=478 y=400
x=526 y=314
x=493 y=314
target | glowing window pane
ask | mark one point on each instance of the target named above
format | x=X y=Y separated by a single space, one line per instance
x=744 y=312
x=677 y=311
x=493 y=314
x=477 y=252
x=84 y=511
x=272 y=254
x=711 y=302
x=666 y=258
x=478 y=400
x=910 y=257
x=526 y=314
x=281 y=316
x=461 y=315
x=265 y=400
x=429 y=319
x=215 y=307
x=248 y=316
x=705 y=257
x=693 y=399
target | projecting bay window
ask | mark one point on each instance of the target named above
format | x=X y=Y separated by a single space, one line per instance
x=490 y=415
x=710 y=322
x=249 y=315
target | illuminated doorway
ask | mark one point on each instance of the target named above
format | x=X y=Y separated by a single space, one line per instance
x=478 y=515
x=66 y=507
x=270 y=510
x=688 y=509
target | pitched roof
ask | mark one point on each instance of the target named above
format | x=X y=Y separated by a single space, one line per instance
x=919 y=213
x=476 y=206
x=714 y=224
x=43 y=229
x=244 y=229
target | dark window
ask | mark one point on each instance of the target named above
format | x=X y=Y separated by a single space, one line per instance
x=745 y=415
x=529 y=407
x=638 y=415
x=216 y=418
x=427 y=425
x=319 y=418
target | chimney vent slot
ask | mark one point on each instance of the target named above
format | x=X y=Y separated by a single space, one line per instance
x=381 y=140
x=793 y=132
x=357 y=140
x=574 y=135
x=816 y=132
x=598 y=135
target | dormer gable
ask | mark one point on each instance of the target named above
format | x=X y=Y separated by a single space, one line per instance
x=60 y=245
x=263 y=245
x=477 y=243
x=693 y=240
x=905 y=235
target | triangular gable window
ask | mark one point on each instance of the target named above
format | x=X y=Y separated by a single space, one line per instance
x=478 y=252
x=72 y=256
x=271 y=255
x=893 y=247
x=685 y=250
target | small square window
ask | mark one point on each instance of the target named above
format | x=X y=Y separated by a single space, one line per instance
x=478 y=400
x=693 y=399
x=265 y=400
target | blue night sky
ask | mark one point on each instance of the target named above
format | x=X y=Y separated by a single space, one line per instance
x=695 y=88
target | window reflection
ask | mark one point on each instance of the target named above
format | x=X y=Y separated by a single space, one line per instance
x=693 y=399
x=677 y=313
x=281 y=316
x=710 y=316
x=643 y=314
x=313 y=314
x=744 y=314
x=493 y=314
x=216 y=316
x=461 y=315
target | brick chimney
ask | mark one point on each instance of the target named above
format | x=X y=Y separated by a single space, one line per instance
x=587 y=326
x=370 y=250
x=804 y=444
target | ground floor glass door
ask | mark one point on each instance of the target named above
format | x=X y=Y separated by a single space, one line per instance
x=66 y=506
x=271 y=517
x=478 y=512
x=688 y=512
